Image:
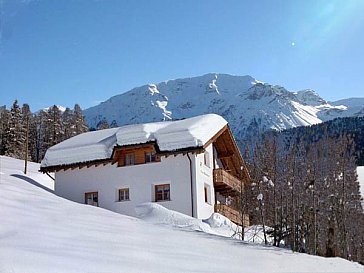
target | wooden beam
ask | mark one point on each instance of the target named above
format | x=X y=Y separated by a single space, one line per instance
x=225 y=155
x=192 y=150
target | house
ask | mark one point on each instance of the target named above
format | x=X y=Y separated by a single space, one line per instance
x=192 y=166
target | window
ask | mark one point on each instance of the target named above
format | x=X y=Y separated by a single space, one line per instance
x=124 y=194
x=206 y=159
x=162 y=192
x=91 y=198
x=150 y=156
x=129 y=159
x=207 y=194
x=205 y=191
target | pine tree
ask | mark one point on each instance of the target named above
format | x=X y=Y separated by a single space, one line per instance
x=67 y=124
x=113 y=124
x=40 y=135
x=54 y=125
x=4 y=129
x=103 y=124
x=79 y=121
x=16 y=136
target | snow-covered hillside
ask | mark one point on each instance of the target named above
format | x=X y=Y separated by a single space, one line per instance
x=249 y=105
x=41 y=232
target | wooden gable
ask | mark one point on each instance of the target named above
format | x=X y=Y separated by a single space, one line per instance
x=229 y=154
x=138 y=151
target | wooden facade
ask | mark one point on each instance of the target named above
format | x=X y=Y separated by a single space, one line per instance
x=231 y=178
x=139 y=154
x=229 y=155
x=225 y=182
x=232 y=214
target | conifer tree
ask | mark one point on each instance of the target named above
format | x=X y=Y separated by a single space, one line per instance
x=4 y=129
x=79 y=121
x=67 y=124
x=16 y=133
x=103 y=124
x=54 y=124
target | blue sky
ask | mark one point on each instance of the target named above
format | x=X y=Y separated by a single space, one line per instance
x=67 y=52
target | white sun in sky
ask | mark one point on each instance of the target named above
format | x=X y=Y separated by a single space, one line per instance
x=293 y=44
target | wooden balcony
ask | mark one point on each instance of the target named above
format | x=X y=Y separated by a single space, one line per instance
x=232 y=214
x=227 y=183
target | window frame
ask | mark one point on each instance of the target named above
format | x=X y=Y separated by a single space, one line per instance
x=92 y=193
x=206 y=159
x=207 y=194
x=163 y=186
x=152 y=156
x=129 y=159
x=124 y=190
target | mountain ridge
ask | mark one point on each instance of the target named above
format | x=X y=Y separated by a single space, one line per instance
x=249 y=105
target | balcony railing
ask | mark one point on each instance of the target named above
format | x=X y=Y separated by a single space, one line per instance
x=225 y=182
x=232 y=214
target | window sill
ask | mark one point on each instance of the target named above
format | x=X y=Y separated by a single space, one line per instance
x=122 y=201
x=161 y=201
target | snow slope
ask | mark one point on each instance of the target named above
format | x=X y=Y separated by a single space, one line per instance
x=249 y=105
x=41 y=232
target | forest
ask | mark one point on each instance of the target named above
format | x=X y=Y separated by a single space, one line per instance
x=24 y=134
x=304 y=189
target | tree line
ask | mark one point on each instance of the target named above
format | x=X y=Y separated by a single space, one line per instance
x=27 y=135
x=305 y=194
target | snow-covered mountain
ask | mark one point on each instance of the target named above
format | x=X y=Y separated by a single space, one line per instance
x=46 y=109
x=250 y=106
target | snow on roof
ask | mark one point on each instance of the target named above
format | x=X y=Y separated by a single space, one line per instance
x=169 y=136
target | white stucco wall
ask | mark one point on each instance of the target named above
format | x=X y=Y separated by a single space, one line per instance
x=204 y=175
x=141 y=179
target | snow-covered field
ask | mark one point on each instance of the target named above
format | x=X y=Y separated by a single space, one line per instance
x=40 y=232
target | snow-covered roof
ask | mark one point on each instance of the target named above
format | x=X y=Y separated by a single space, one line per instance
x=169 y=136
